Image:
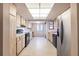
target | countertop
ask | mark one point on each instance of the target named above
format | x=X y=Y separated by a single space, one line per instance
x=24 y=32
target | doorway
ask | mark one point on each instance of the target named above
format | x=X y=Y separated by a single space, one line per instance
x=39 y=29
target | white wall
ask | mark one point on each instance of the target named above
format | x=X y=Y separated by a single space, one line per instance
x=64 y=49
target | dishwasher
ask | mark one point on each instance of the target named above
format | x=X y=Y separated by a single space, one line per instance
x=27 y=39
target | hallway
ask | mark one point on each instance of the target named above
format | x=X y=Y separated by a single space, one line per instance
x=39 y=46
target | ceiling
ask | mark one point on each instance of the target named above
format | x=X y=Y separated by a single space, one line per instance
x=48 y=11
x=39 y=10
x=23 y=11
x=57 y=10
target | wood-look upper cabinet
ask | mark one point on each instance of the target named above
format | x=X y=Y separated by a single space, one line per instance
x=27 y=23
x=18 y=20
x=23 y=22
x=12 y=35
x=13 y=9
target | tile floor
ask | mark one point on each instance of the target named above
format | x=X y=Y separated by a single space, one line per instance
x=39 y=46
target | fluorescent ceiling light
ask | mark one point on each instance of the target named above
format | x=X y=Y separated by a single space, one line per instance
x=37 y=22
x=35 y=15
x=44 y=11
x=46 y=5
x=39 y=18
x=33 y=11
x=32 y=5
x=43 y=15
x=39 y=10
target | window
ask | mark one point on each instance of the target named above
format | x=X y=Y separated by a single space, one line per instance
x=40 y=27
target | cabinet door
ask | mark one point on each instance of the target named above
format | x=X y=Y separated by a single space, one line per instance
x=23 y=41
x=21 y=20
x=17 y=39
x=18 y=47
x=12 y=35
x=24 y=22
x=18 y=20
x=12 y=50
x=12 y=15
x=12 y=10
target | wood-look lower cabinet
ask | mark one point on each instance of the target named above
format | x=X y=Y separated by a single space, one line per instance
x=20 y=44
x=50 y=37
x=23 y=41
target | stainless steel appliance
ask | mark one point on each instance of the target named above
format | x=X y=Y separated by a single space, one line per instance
x=60 y=33
x=27 y=39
